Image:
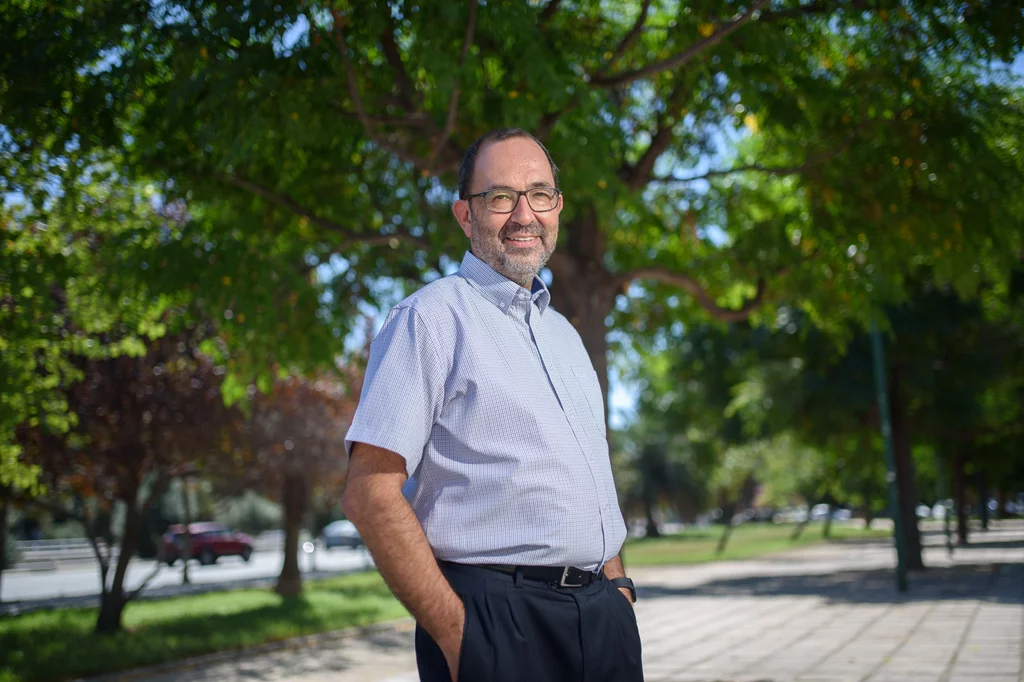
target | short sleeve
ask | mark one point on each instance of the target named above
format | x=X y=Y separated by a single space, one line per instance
x=403 y=390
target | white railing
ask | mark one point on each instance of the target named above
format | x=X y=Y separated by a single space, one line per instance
x=36 y=552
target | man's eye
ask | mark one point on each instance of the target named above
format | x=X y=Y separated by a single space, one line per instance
x=501 y=196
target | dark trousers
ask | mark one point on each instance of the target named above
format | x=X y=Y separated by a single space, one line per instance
x=525 y=630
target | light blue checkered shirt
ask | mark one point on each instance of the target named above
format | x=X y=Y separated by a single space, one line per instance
x=490 y=396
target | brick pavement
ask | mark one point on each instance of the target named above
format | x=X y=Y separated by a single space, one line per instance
x=822 y=614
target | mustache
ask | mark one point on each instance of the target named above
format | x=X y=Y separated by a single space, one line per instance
x=515 y=230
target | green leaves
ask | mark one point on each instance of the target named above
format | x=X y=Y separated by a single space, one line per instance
x=266 y=169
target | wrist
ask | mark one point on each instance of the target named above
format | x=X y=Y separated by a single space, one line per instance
x=625 y=585
x=445 y=622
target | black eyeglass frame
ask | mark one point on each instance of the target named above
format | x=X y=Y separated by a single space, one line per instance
x=519 y=195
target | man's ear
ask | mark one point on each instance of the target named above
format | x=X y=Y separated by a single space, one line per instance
x=460 y=209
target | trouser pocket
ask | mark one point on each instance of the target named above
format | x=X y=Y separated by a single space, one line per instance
x=626 y=620
x=473 y=654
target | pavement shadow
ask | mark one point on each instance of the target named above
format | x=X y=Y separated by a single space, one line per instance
x=988 y=582
x=296 y=659
x=994 y=544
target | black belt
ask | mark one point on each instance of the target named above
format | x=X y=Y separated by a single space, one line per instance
x=564 y=576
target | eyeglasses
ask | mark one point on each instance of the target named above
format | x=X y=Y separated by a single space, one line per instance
x=540 y=199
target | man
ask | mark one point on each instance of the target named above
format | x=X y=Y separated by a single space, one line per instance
x=506 y=550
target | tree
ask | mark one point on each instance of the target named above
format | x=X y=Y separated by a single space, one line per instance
x=292 y=445
x=138 y=421
x=69 y=296
x=953 y=388
x=690 y=449
x=658 y=469
x=63 y=298
x=709 y=147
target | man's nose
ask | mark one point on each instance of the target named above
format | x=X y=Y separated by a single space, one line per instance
x=522 y=213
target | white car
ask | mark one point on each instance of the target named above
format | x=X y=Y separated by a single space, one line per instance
x=341 y=533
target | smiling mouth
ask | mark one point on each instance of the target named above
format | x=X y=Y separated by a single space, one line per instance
x=524 y=241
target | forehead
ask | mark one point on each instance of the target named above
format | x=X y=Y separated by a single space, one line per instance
x=518 y=162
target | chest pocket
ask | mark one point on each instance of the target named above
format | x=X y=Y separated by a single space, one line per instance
x=588 y=395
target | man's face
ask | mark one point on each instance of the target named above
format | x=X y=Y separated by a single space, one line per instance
x=516 y=244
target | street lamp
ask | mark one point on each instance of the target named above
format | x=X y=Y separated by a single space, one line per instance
x=881 y=388
x=188 y=476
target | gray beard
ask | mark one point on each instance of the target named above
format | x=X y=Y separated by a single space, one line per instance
x=492 y=253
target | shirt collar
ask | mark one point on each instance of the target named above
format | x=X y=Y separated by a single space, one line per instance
x=498 y=289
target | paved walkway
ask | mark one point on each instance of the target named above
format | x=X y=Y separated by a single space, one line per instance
x=822 y=614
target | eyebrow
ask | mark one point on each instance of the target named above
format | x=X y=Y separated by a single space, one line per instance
x=532 y=185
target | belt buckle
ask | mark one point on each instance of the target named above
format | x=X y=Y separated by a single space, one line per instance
x=565 y=575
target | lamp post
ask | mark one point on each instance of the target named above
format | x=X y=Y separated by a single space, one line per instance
x=188 y=475
x=940 y=476
x=881 y=388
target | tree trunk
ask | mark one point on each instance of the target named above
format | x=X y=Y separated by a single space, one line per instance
x=983 y=499
x=801 y=526
x=113 y=600
x=111 y=609
x=1001 y=501
x=294 y=501
x=826 y=531
x=652 y=524
x=905 y=486
x=960 y=497
x=186 y=537
x=728 y=511
x=868 y=514
x=584 y=290
x=4 y=507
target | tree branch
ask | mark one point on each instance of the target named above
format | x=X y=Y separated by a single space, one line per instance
x=683 y=57
x=809 y=162
x=406 y=91
x=357 y=102
x=350 y=236
x=82 y=518
x=548 y=120
x=415 y=120
x=639 y=175
x=453 y=103
x=90 y=533
x=159 y=487
x=630 y=38
x=816 y=7
x=145 y=582
x=771 y=170
x=692 y=287
x=548 y=12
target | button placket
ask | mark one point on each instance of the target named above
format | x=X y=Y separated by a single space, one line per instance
x=569 y=390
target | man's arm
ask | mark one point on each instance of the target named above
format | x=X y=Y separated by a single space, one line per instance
x=373 y=501
x=613 y=569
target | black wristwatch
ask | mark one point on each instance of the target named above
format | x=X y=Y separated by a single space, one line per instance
x=627 y=583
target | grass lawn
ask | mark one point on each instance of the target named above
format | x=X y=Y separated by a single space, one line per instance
x=749 y=540
x=59 y=645
x=48 y=646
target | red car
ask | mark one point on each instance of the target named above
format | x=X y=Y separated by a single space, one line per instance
x=210 y=541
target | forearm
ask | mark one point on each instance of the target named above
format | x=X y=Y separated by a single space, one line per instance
x=404 y=559
x=614 y=569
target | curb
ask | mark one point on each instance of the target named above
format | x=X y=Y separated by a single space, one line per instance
x=304 y=641
x=17 y=607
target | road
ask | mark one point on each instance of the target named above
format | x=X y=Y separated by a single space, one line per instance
x=83 y=579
